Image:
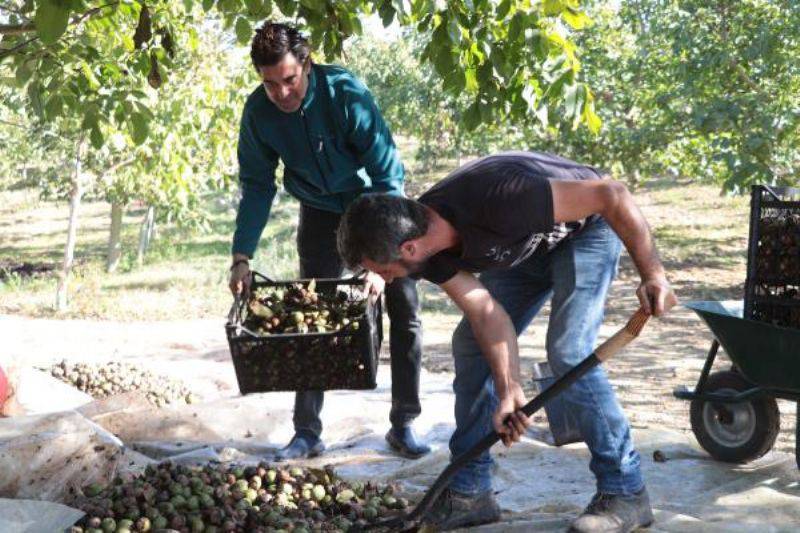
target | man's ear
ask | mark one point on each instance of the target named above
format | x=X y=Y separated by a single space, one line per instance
x=410 y=250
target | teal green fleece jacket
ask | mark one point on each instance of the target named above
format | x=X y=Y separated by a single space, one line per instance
x=335 y=147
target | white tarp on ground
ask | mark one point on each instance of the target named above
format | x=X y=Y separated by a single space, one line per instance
x=32 y=516
x=540 y=487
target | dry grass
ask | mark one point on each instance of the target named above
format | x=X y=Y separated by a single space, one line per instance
x=701 y=235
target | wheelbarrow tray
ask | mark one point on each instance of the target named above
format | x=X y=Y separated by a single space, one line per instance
x=765 y=354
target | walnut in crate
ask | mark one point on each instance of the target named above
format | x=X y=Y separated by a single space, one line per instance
x=299 y=308
x=778 y=253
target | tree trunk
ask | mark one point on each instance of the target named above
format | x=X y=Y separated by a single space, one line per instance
x=635 y=180
x=152 y=230
x=69 y=250
x=458 y=145
x=114 y=246
x=146 y=234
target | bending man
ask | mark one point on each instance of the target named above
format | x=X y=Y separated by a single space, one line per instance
x=539 y=227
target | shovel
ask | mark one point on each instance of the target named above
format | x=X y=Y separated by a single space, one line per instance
x=602 y=353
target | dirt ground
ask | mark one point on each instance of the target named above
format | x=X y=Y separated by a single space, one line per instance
x=704 y=246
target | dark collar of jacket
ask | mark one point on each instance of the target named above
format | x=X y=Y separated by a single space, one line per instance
x=308 y=99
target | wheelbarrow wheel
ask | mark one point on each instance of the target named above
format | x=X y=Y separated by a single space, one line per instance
x=735 y=432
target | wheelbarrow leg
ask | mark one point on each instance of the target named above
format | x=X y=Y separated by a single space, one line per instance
x=712 y=354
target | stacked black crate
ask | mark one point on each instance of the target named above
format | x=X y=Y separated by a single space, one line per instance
x=772 y=288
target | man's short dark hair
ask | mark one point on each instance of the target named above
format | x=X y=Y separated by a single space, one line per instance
x=375 y=225
x=273 y=40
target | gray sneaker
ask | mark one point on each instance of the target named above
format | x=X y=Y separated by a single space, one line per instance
x=614 y=513
x=453 y=510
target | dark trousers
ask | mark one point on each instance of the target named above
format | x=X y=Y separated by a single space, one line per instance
x=316 y=246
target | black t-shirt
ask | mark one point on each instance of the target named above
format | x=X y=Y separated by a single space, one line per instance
x=502 y=208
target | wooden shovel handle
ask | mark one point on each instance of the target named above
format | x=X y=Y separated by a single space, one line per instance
x=623 y=337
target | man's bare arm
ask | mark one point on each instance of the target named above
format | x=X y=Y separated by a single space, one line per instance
x=574 y=200
x=497 y=339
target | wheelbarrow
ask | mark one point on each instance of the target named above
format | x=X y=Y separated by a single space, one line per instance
x=734 y=412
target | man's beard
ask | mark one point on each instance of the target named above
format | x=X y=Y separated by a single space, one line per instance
x=413 y=267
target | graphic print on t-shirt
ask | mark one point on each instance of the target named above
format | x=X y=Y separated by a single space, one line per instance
x=502 y=208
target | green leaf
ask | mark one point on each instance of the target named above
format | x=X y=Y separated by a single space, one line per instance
x=119 y=114
x=35 y=98
x=516 y=26
x=552 y=7
x=454 y=81
x=386 y=11
x=346 y=24
x=208 y=5
x=443 y=62
x=486 y=75
x=287 y=7
x=53 y=106
x=420 y=8
x=51 y=19
x=476 y=53
x=503 y=8
x=540 y=44
x=573 y=99
x=555 y=88
x=96 y=136
x=23 y=74
x=471 y=77
x=355 y=22
x=593 y=122
x=90 y=117
x=472 y=116
x=500 y=63
x=254 y=7
x=139 y=127
x=577 y=19
x=94 y=83
x=243 y=30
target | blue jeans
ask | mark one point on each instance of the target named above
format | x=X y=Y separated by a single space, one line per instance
x=576 y=275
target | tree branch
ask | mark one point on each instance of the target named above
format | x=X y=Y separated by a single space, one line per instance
x=113 y=168
x=5 y=52
x=92 y=12
x=9 y=123
x=742 y=73
x=17 y=29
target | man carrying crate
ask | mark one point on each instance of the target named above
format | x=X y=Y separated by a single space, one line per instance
x=539 y=227
x=323 y=124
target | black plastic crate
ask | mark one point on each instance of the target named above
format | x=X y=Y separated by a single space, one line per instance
x=343 y=359
x=772 y=287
